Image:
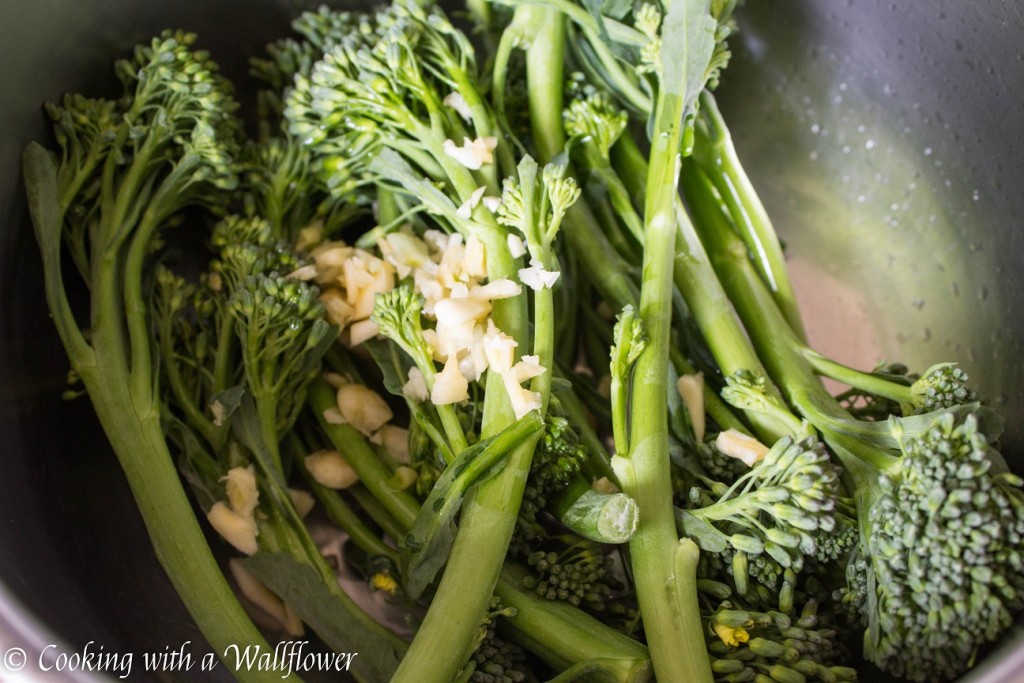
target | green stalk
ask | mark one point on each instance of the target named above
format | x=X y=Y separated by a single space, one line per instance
x=377 y=512
x=372 y=472
x=865 y=381
x=135 y=433
x=603 y=517
x=781 y=351
x=709 y=305
x=545 y=60
x=671 y=616
x=566 y=637
x=717 y=157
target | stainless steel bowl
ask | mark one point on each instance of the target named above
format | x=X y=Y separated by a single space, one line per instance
x=885 y=138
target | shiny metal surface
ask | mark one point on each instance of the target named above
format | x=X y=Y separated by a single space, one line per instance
x=887 y=140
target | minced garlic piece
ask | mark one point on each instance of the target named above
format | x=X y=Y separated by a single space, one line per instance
x=473 y=154
x=238 y=530
x=404 y=251
x=304 y=273
x=330 y=469
x=499 y=348
x=496 y=289
x=740 y=446
x=363 y=408
x=256 y=591
x=457 y=102
x=466 y=210
x=475 y=259
x=523 y=400
x=360 y=331
x=516 y=246
x=395 y=439
x=535 y=277
x=450 y=385
x=691 y=390
x=303 y=501
x=415 y=389
x=240 y=486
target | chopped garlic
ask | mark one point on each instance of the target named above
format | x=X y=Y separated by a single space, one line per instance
x=338 y=311
x=475 y=258
x=457 y=102
x=330 y=469
x=456 y=323
x=305 y=273
x=604 y=485
x=492 y=203
x=219 y=412
x=474 y=362
x=240 y=486
x=535 y=277
x=499 y=348
x=434 y=344
x=523 y=400
x=363 y=408
x=256 y=591
x=527 y=368
x=292 y=623
x=466 y=210
x=450 y=385
x=238 y=530
x=361 y=331
x=329 y=258
x=740 y=446
x=474 y=153
x=395 y=440
x=691 y=390
x=303 y=501
x=365 y=276
x=415 y=389
x=516 y=246
x=404 y=251
x=497 y=289
x=333 y=416
x=403 y=478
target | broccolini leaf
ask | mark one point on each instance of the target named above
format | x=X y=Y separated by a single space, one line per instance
x=425 y=548
x=323 y=610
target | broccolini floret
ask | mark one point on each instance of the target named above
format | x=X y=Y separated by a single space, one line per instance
x=944 y=537
x=939 y=522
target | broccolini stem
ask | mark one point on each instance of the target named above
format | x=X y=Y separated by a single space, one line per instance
x=603 y=517
x=696 y=280
x=778 y=345
x=671 y=617
x=545 y=59
x=136 y=435
x=564 y=636
x=717 y=157
x=864 y=381
x=377 y=512
x=138 y=441
x=372 y=472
